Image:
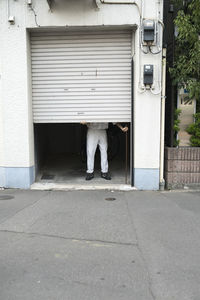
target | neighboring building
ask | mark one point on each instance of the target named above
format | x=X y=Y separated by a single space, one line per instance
x=62 y=62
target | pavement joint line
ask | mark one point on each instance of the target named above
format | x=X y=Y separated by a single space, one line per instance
x=180 y=191
x=69 y=238
x=149 y=280
x=27 y=206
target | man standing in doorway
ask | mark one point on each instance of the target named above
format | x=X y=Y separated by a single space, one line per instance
x=97 y=135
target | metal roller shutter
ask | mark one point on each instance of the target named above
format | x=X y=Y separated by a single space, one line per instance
x=81 y=76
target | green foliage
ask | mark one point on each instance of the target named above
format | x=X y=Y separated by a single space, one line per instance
x=194 y=130
x=176 y=126
x=186 y=68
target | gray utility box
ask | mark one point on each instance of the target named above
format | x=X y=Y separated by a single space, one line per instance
x=148 y=31
x=148 y=74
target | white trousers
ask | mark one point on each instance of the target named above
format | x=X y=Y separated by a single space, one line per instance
x=97 y=137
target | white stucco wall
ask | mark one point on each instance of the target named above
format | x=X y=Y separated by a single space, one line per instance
x=14 y=92
x=1 y=115
x=16 y=130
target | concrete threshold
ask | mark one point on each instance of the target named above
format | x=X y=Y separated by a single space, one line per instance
x=46 y=186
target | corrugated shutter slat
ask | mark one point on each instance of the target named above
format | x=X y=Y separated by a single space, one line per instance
x=81 y=76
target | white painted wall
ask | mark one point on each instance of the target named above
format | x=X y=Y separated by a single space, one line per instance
x=16 y=130
x=1 y=110
x=14 y=90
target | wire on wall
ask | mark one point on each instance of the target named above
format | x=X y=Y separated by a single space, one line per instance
x=35 y=15
x=154 y=92
x=154 y=52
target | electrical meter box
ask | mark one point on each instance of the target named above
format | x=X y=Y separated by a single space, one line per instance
x=148 y=74
x=148 y=31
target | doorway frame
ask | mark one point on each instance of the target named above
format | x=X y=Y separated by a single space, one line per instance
x=133 y=28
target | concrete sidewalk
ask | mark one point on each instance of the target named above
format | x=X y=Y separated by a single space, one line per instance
x=71 y=245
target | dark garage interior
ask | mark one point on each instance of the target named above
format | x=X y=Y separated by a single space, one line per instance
x=60 y=154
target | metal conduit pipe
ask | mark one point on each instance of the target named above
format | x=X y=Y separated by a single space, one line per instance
x=123 y=3
x=132 y=126
x=162 y=122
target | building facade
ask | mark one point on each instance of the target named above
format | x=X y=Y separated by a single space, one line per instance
x=69 y=61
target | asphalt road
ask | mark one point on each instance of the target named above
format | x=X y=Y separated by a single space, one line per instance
x=76 y=245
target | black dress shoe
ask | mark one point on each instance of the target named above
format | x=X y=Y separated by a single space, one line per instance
x=106 y=176
x=89 y=176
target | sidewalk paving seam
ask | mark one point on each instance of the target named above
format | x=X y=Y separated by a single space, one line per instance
x=29 y=205
x=68 y=238
x=149 y=280
x=169 y=191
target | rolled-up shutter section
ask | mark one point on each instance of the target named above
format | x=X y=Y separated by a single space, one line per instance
x=81 y=76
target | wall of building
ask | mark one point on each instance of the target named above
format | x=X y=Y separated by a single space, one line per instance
x=16 y=128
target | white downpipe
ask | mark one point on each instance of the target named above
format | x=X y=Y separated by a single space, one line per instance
x=162 y=121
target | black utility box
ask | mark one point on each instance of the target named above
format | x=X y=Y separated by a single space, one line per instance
x=148 y=74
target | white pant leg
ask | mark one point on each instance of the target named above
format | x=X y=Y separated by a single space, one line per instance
x=103 y=146
x=92 y=142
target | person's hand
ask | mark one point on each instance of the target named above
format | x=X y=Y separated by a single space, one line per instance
x=83 y=123
x=125 y=129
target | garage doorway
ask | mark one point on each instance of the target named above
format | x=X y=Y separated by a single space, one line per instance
x=60 y=154
x=79 y=76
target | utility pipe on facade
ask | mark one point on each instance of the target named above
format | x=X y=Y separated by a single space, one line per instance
x=123 y=3
x=162 y=121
